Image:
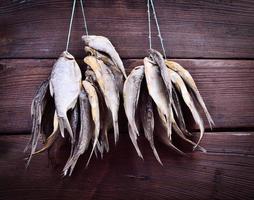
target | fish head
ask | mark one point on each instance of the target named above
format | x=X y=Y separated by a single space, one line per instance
x=90 y=51
x=155 y=55
x=86 y=39
x=148 y=61
x=90 y=38
x=139 y=69
x=67 y=55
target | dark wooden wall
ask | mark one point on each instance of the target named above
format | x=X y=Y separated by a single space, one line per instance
x=213 y=39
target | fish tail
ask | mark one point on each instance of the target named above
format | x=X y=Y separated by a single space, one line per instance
x=116 y=129
x=208 y=116
x=100 y=148
x=198 y=96
x=50 y=140
x=74 y=162
x=155 y=152
x=202 y=130
x=169 y=130
x=210 y=120
x=70 y=165
x=94 y=145
x=34 y=143
x=133 y=136
x=176 y=149
x=105 y=140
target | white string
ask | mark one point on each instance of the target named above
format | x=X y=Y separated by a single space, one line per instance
x=70 y=26
x=158 y=28
x=84 y=17
x=149 y=24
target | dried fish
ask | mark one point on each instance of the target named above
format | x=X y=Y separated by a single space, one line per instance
x=85 y=133
x=103 y=44
x=147 y=120
x=131 y=92
x=94 y=103
x=159 y=60
x=105 y=114
x=158 y=92
x=74 y=122
x=180 y=86
x=108 y=87
x=65 y=85
x=186 y=76
x=37 y=109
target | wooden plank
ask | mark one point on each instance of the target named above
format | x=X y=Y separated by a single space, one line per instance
x=224 y=172
x=226 y=85
x=202 y=29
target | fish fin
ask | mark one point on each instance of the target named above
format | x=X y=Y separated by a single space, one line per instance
x=61 y=126
x=51 y=89
x=64 y=123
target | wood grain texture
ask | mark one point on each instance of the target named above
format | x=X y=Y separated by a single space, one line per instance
x=191 y=29
x=226 y=85
x=224 y=172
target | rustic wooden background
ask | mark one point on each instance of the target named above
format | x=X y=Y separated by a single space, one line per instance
x=214 y=39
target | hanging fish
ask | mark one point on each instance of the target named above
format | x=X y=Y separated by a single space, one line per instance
x=131 y=92
x=158 y=92
x=94 y=103
x=147 y=120
x=85 y=133
x=159 y=60
x=37 y=110
x=65 y=85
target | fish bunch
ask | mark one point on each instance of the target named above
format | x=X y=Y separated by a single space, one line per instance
x=152 y=94
x=83 y=108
